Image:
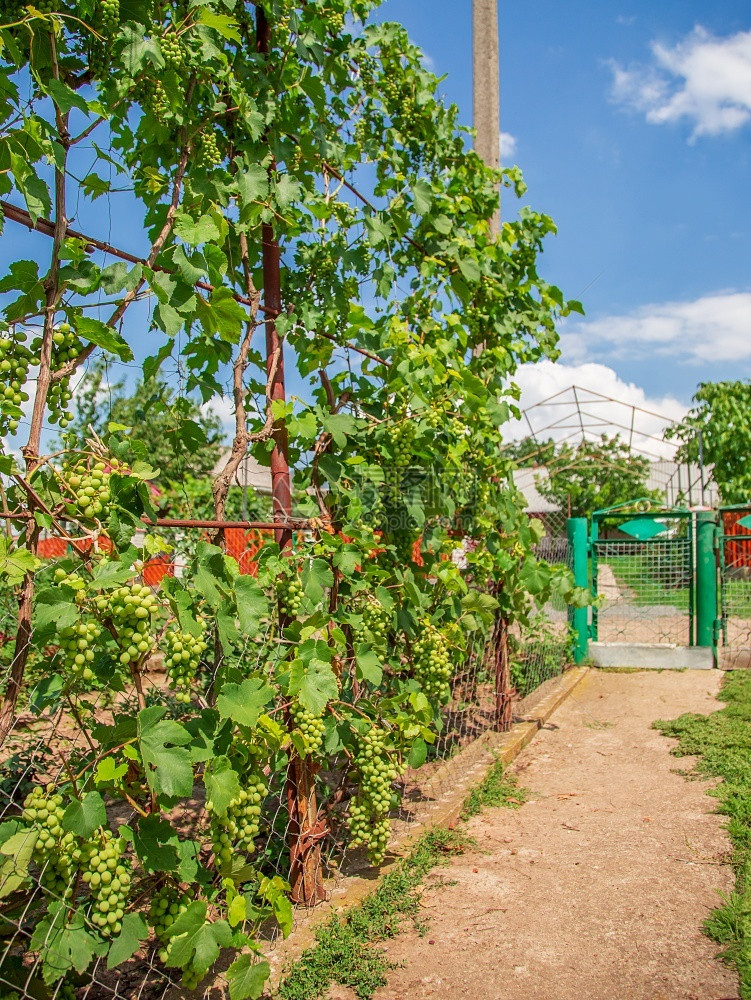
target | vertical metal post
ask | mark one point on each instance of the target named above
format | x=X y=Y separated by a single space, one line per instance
x=576 y=529
x=593 y=539
x=706 y=578
x=305 y=828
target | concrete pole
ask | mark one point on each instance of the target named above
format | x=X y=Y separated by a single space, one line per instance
x=487 y=91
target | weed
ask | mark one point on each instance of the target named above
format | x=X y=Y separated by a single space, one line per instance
x=722 y=742
x=498 y=789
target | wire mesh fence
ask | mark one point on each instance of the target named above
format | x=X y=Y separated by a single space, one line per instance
x=644 y=588
x=49 y=745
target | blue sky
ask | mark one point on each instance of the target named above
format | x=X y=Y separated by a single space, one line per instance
x=632 y=124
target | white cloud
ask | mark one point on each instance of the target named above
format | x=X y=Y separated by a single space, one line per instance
x=704 y=79
x=711 y=328
x=222 y=407
x=508 y=147
x=591 y=400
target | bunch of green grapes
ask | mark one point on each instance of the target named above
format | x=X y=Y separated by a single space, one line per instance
x=153 y=98
x=369 y=822
x=433 y=667
x=90 y=484
x=66 y=346
x=108 y=879
x=238 y=828
x=76 y=643
x=109 y=16
x=209 y=154
x=289 y=593
x=166 y=907
x=401 y=439
x=375 y=624
x=311 y=728
x=184 y=653
x=43 y=808
x=15 y=361
x=172 y=50
x=130 y=609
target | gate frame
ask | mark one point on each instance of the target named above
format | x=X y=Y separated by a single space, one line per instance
x=650 y=513
x=721 y=541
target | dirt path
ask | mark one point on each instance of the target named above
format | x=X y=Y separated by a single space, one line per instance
x=597 y=887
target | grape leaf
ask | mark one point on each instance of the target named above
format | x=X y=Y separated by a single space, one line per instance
x=84 y=816
x=194 y=941
x=314 y=684
x=156 y=843
x=244 y=702
x=368 y=665
x=161 y=741
x=222 y=784
x=418 y=754
x=252 y=604
x=316 y=576
x=64 y=942
x=17 y=849
x=135 y=930
x=247 y=978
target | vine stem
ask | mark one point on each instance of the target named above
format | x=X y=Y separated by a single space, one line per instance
x=53 y=291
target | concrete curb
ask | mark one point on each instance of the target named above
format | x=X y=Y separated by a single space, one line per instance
x=452 y=782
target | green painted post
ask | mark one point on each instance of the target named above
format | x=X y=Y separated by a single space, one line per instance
x=706 y=578
x=576 y=529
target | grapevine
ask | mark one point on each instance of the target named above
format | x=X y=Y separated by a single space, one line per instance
x=433 y=668
x=310 y=727
x=236 y=830
x=369 y=822
x=183 y=657
x=401 y=438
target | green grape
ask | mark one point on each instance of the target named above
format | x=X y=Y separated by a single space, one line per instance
x=401 y=439
x=172 y=50
x=53 y=850
x=289 y=593
x=209 y=154
x=369 y=822
x=433 y=667
x=90 y=486
x=108 y=878
x=166 y=906
x=66 y=346
x=15 y=361
x=184 y=653
x=311 y=728
x=75 y=646
x=375 y=625
x=192 y=977
x=66 y=990
x=109 y=11
x=130 y=610
x=238 y=828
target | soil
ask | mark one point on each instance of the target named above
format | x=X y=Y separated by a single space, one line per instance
x=597 y=887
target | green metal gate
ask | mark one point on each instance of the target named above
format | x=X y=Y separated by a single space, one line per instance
x=734 y=557
x=642 y=574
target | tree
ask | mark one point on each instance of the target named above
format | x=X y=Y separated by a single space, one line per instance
x=717 y=431
x=529 y=452
x=595 y=475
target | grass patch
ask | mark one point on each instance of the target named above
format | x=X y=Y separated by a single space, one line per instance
x=658 y=582
x=722 y=742
x=496 y=790
x=346 y=949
